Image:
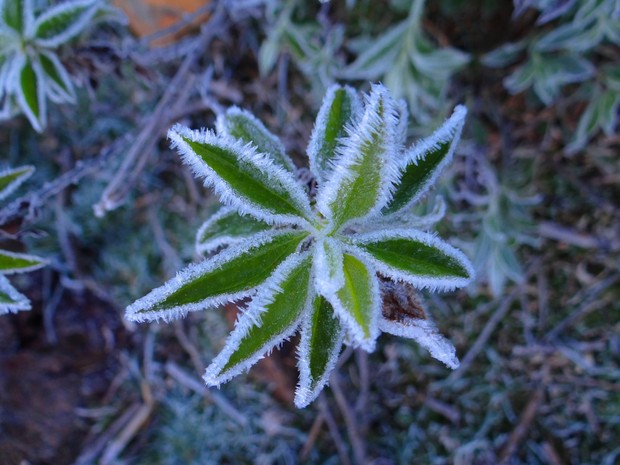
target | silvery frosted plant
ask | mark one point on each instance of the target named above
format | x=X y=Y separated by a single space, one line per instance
x=11 y=300
x=326 y=265
x=30 y=70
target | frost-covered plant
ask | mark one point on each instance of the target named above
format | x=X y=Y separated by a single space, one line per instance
x=315 y=263
x=566 y=55
x=30 y=70
x=12 y=301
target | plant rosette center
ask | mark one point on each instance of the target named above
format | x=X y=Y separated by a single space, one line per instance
x=331 y=267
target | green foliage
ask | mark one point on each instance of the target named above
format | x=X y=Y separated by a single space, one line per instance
x=402 y=56
x=30 y=70
x=11 y=300
x=567 y=54
x=316 y=268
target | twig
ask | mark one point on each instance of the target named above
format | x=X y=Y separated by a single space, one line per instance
x=589 y=303
x=560 y=233
x=218 y=399
x=358 y=445
x=498 y=316
x=312 y=437
x=94 y=449
x=188 y=346
x=361 y=357
x=33 y=200
x=525 y=422
x=135 y=160
x=117 y=446
x=333 y=430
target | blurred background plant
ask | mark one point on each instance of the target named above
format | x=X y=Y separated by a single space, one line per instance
x=538 y=338
x=580 y=49
x=30 y=69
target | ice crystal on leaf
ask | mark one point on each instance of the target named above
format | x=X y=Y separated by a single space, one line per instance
x=341 y=267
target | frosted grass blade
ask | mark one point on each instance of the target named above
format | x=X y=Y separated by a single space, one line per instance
x=244 y=126
x=273 y=316
x=321 y=341
x=230 y=275
x=340 y=109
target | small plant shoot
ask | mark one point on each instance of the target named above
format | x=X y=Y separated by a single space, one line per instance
x=340 y=266
x=11 y=300
x=30 y=69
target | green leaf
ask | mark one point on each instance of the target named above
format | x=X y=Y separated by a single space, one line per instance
x=273 y=315
x=60 y=88
x=11 y=301
x=377 y=59
x=321 y=340
x=340 y=109
x=242 y=178
x=16 y=13
x=242 y=125
x=424 y=162
x=504 y=55
x=11 y=262
x=31 y=95
x=361 y=184
x=230 y=275
x=357 y=303
x=61 y=23
x=227 y=227
x=417 y=258
x=12 y=178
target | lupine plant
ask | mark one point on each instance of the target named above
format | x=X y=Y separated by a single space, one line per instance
x=11 y=300
x=332 y=261
x=30 y=70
